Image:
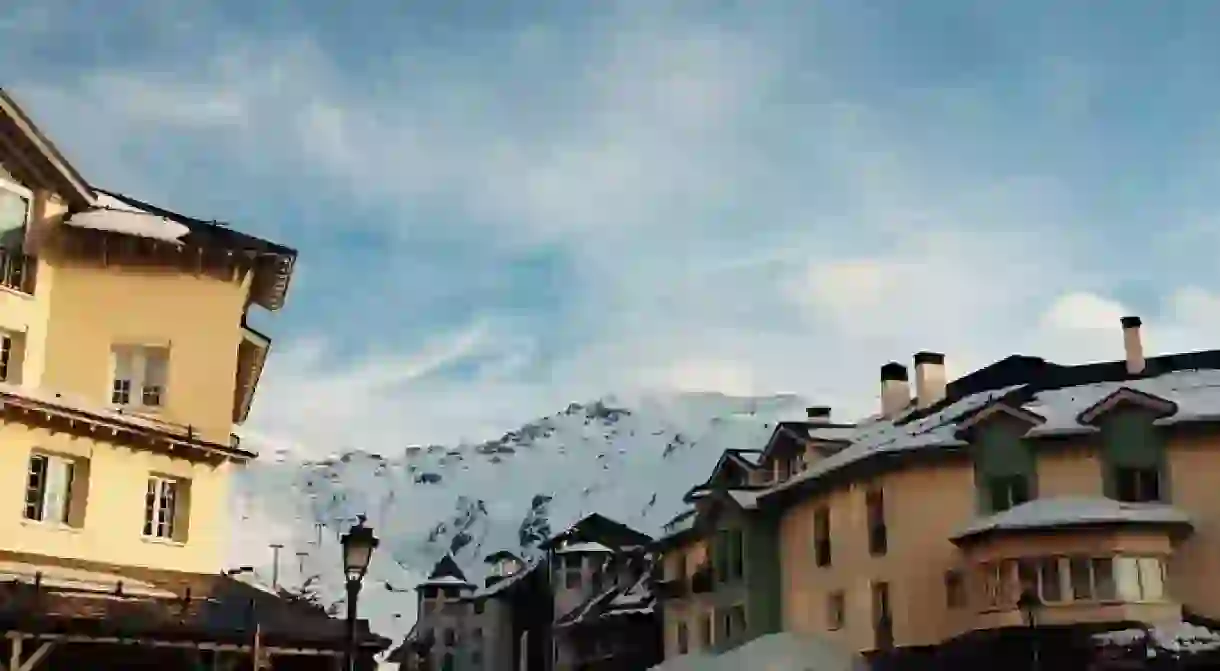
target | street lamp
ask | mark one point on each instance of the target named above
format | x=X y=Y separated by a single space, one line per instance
x=358 y=546
x=1030 y=605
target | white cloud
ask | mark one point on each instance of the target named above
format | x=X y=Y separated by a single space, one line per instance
x=847 y=243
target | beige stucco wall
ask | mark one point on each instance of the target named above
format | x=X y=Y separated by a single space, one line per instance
x=690 y=609
x=114 y=505
x=76 y=313
x=925 y=506
x=197 y=317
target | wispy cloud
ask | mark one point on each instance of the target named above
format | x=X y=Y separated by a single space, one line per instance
x=501 y=212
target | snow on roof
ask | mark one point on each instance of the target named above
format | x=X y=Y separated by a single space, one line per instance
x=746 y=498
x=444 y=580
x=117 y=216
x=1074 y=511
x=1196 y=393
x=584 y=547
x=783 y=651
x=1175 y=637
x=832 y=432
x=501 y=585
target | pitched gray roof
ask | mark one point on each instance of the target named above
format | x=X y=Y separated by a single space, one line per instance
x=1073 y=511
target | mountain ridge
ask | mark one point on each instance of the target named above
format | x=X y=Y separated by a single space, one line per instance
x=631 y=460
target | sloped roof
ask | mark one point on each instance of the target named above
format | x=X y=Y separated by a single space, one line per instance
x=782 y=651
x=445 y=572
x=598 y=528
x=1063 y=512
x=1057 y=394
x=200 y=607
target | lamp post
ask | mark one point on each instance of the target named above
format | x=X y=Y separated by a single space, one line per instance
x=358 y=545
x=1030 y=605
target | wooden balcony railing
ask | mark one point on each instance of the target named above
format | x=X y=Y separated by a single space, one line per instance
x=17 y=270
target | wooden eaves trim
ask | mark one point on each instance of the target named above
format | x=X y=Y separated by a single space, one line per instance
x=112 y=429
x=1162 y=406
x=70 y=183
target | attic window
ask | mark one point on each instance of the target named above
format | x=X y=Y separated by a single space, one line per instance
x=15 y=203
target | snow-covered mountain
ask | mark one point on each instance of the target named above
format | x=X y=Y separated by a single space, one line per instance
x=629 y=461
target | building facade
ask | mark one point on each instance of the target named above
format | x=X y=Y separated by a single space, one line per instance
x=1027 y=501
x=126 y=359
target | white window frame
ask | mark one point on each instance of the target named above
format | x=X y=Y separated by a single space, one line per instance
x=160 y=516
x=39 y=502
x=136 y=389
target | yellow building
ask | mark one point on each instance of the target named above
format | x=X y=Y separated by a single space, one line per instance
x=125 y=362
x=1020 y=508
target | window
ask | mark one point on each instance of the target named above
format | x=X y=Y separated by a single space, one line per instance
x=955 y=590
x=883 y=623
x=683 y=638
x=821 y=537
x=10 y=357
x=447 y=662
x=571 y=571
x=1104 y=586
x=1050 y=580
x=161 y=507
x=450 y=638
x=705 y=631
x=877 y=534
x=1137 y=485
x=1081 y=578
x=736 y=554
x=478 y=607
x=15 y=203
x=736 y=621
x=48 y=491
x=140 y=375
x=476 y=634
x=476 y=657
x=836 y=610
x=1152 y=579
x=1008 y=491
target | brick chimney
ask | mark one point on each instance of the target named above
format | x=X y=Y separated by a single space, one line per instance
x=895 y=389
x=929 y=378
x=1133 y=345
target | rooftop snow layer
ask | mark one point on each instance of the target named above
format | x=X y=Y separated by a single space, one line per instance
x=1074 y=511
x=584 y=547
x=117 y=216
x=1195 y=392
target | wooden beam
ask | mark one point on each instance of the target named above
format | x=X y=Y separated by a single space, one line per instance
x=245 y=649
x=32 y=661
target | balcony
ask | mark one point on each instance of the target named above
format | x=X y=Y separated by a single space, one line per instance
x=1068 y=562
x=17 y=270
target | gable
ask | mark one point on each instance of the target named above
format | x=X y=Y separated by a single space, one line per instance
x=1127 y=397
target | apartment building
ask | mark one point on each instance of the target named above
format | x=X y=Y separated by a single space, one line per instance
x=1009 y=513
x=126 y=359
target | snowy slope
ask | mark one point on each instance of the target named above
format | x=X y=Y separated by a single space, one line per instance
x=629 y=461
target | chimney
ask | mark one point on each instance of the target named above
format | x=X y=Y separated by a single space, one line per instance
x=1133 y=345
x=929 y=378
x=818 y=414
x=895 y=390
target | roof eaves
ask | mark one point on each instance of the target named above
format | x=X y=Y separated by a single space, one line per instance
x=1162 y=406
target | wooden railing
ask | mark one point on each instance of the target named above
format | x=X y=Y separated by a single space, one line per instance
x=17 y=270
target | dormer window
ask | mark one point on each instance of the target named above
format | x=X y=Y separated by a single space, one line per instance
x=1137 y=485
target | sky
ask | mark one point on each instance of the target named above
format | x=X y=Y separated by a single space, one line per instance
x=504 y=207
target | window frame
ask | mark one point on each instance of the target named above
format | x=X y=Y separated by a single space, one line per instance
x=878 y=532
x=10 y=355
x=997 y=484
x=35 y=511
x=136 y=392
x=823 y=554
x=22 y=192
x=836 y=610
x=155 y=527
x=1143 y=478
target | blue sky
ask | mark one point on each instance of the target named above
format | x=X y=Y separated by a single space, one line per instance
x=502 y=207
